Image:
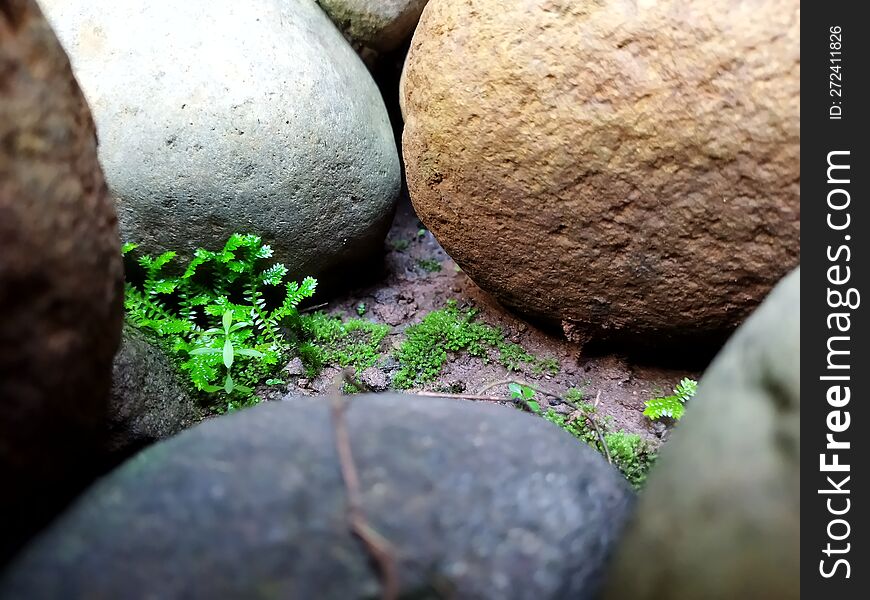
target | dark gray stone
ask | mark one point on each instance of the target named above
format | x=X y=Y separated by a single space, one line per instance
x=149 y=399
x=478 y=501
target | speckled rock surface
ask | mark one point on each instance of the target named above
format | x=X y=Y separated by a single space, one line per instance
x=149 y=399
x=379 y=24
x=721 y=510
x=477 y=501
x=628 y=169
x=60 y=277
x=223 y=117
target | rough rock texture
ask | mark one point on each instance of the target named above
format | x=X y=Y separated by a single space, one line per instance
x=60 y=277
x=149 y=399
x=477 y=501
x=629 y=169
x=379 y=24
x=721 y=510
x=217 y=117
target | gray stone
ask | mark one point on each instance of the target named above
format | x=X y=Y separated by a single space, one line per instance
x=60 y=278
x=218 y=117
x=375 y=379
x=476 y=500
x=720 y=516
x=150 y=399
x=378 y=24
x=295 y=367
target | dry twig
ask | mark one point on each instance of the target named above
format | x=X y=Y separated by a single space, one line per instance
x=587 y=415
x=475 y=397
x=376 y=545
x=309 y=309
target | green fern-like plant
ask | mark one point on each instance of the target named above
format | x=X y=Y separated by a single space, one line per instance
x=222 y=341
x=214 y=315
x=672 y=406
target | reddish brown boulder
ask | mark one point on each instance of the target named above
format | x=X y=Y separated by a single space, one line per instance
x=629 y=170
x=60 y=277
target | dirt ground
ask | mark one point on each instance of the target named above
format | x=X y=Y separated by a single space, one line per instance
x=411 y=287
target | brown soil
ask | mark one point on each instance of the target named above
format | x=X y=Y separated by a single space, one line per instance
x=407 y=291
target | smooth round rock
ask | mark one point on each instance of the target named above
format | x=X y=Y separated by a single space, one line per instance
x=630 y=170
x=151 y=399
x=474 y=500
x=222 y=117
x=378 y=24
x=720 y=515
x=60 y=278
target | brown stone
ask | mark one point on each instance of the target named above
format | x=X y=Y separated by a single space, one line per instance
x=626 y=169
x=60 y=277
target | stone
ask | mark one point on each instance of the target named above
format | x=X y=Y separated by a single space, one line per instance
x=720 y=514
x=150 y=399
x=249 y=117
x=630 y=171
x=295 y=367
x=375 y=379
x=475 y=500
x=378 y=24
x=60 y=278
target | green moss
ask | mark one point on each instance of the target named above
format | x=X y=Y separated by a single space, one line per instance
x=423 y=353
x=429 y=265
x=330 y=341
x=401 y=245
x=574 y=395
x=545 y=365
x=629 y=452
x=512 y=356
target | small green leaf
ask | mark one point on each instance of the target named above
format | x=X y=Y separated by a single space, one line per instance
x=534 y=406
x=249 y=352
x=165 y=286
x=228 y=384
x=519 y=391
x=211 y=388
x=228 y=353
x=243 y=389
x=128 y=247
x=227 y=320
x=205 y=351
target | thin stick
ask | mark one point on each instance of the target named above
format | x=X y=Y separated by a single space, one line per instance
x=594 y=423
x=489 y=386
x=309 y=309
x=377 y=546
x=464 y=397
x=586 y=414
